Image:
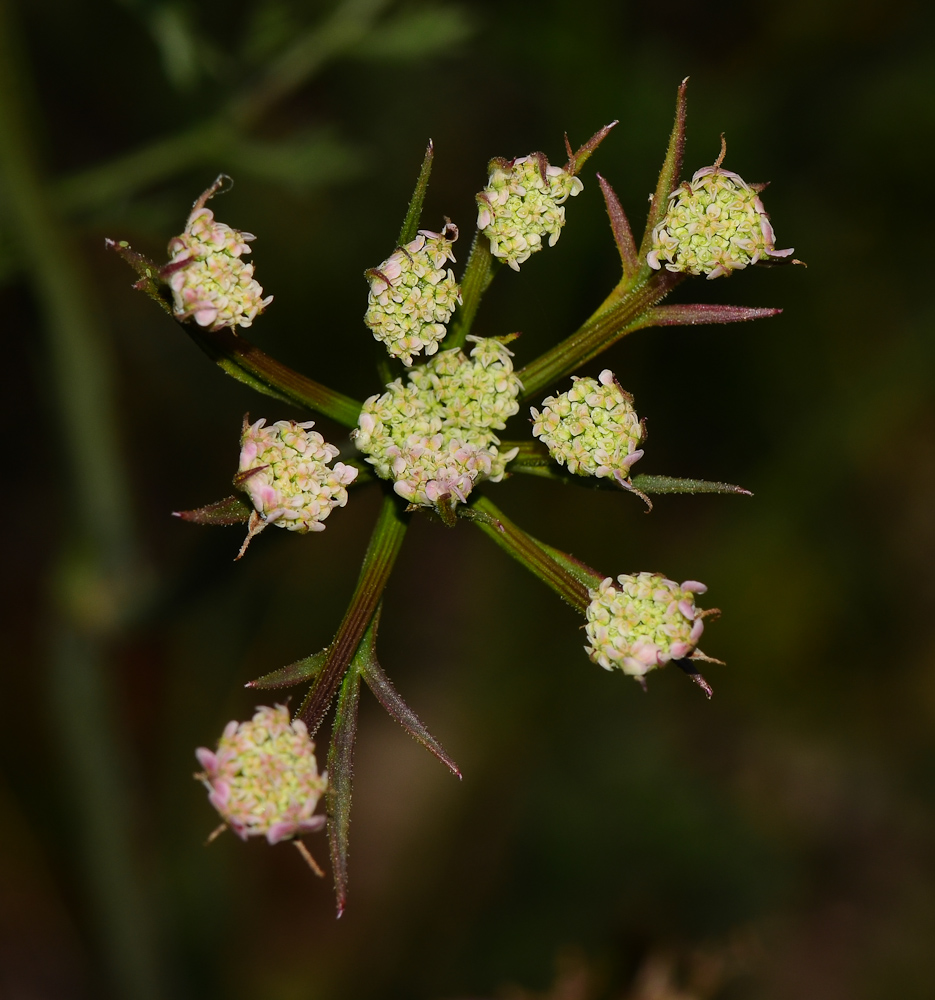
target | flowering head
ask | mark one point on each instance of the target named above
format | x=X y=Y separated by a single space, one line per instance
x=284 y=470
x=210 y=283
x=592 y=428
x=434 y=436
x=413 y=295
x=523 y=202
x=263 y=778
x=642 y=624
x=715 y=223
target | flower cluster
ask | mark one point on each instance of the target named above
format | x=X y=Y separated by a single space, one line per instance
x=434 y=436
x=592 y=428
x=645 y=623
x=524 y=201
x=208 y=279
x=284 y=470
x=413 y=294
x=263 y=779
x=715 y=224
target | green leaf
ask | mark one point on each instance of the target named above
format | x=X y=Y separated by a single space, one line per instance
x=670 y=172
x=306 y=669
x=301 y=162
x=414 y=34
x=341 y=779
x=230 y=510
x=414 y=213
x=667 y=484
x=385 y=543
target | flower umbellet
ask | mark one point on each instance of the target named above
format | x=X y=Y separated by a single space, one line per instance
x=432 y=438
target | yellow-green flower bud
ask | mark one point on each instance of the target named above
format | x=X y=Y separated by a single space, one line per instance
x=592 y=428
x=210 y=283
x=293 y=485
x=714 y=224
x=522 y=203
x=434 y=436
x=412 y=295
x=642 y=624
x=263 y=779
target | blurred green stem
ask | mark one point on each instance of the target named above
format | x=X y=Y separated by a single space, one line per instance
x=124 y=176
x=97 y=581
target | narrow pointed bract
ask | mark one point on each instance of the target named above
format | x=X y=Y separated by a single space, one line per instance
x=341 y=779
x=230 y=510
x=306 y=669
x=670 y=172
x=410 y=224
x=623 y=235
x=702 y=313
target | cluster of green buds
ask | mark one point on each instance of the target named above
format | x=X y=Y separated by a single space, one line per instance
x=592 y=428
x=434 y=437
x=431 y=440
x=714 y=224
x=413 y=295
x=210 y=283
x=523 y=202
x=644 y=623
x=263 y=778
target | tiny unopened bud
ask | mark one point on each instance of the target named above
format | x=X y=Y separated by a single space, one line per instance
x=643 y=623
x=293 y=486
x=413 y=294
x=592 y=428
x=523 y=203
x=210 y=282
x=715 y=223
x=263 y=778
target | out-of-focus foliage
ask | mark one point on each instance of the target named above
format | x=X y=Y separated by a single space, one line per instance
x=786 y=829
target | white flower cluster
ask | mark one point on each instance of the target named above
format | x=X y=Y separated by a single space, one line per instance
x=592 y=428
x=715 y=223
x=263 y=779
x=524 y=201
x=293 y=487
x=209 y=281
x=645 y=623
x=434 y=436
x=412 y=295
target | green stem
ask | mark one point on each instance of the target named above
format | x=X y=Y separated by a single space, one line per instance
x=541 y=560
x=620 y=314
x=385 y=543
x=247 y=363
x=478 y=274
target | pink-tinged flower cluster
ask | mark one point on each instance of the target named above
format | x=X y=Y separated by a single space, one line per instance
x=642 y=624
x=263 y=778
x=715 y=223
x=592 y=428
x=293 y=486
x=413 y=295
x=434 y=437
x=523 y=202
x=210 y=282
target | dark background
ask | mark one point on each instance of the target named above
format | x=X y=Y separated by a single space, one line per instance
x=777 y=842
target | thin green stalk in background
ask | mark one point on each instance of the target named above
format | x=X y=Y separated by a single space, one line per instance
x=98 y=582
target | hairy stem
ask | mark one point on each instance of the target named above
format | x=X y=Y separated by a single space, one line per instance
x=385 y=543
